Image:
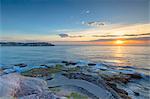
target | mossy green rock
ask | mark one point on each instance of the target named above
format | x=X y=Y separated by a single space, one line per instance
x=40 y=72
x=77 y=96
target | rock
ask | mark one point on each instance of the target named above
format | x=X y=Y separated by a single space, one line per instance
x=97 y=81
x=103 y=68
x=114 y=86
x=91 y=64
x=127 y=71
x=118 y=78
x=20 y=87
x=64 y=62
x=123 y=96
x=1 y=72
x=121 y=92
x=42 y=71
x=7 y=71
x=5 y=67
x=123 y=78
x=111 y=84
x=43 y=95
x=70 y=63
x=43 y=65
x=128 y=67
x=49 y=78
x=135 y=76
x=21 y=65
x=136 y=93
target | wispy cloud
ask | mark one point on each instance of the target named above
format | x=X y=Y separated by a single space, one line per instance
x=94 y=23
x=64 y=30
x=69 y=36
x=125 y=35
x=137 y=38
x=108 y=31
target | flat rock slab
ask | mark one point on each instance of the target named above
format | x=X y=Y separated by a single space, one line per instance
x=99 y=92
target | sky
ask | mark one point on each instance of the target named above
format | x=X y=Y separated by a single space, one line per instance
x=75 y=21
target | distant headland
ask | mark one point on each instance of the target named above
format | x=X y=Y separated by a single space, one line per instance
x=25 y=44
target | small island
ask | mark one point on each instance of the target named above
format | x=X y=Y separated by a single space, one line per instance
x=26 y=44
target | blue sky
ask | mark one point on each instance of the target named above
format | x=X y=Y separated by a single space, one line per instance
x=52 y=17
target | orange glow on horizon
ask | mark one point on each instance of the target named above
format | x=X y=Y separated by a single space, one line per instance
x=119 y=42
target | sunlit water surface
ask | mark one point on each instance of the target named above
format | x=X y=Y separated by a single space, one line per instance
x=137 y=56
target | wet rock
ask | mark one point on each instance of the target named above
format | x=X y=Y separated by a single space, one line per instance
x=128 y=67
x=41 y=72
x=135 y=76
x=127 y=71
x=21 y=65
x=43 y=95
x=114 y=86
x=103 y=68
x=123 y=96
x=121 y=92
x=64 y=62
x=118 y=78
x=97 y=81
x=7 y=71
x=1 y=72
x=111 y=84
x=65 y=69
x=43 y=65
x=49 y=78
x=71 y=63
x=136 y=93
x=91 y=64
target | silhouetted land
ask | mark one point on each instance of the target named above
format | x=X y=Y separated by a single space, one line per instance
x=25 y=44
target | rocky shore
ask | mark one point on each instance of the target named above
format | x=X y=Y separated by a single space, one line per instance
x=73 y=80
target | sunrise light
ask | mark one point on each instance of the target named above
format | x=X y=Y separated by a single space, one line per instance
x=119 y=42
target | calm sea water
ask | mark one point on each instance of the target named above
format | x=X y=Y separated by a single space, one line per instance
x=138 y=56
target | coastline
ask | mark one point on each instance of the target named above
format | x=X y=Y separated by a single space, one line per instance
x=118 y=82
x=25 y=44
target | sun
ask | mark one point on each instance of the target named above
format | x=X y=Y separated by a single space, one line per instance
x=119 y=42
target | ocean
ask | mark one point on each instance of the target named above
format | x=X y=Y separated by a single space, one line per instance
x=135 y=59
x=136 y=56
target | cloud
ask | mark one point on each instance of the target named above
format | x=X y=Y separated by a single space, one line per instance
x=64 y=30
x=112 y=39
x=69 y=36
x=94 y=23
x=74 y=36
x=63 y=35
x=144 y=34
x=109 y=31
x=140 y=38
x=88 y=11
x=104 y=35
x=128 y=35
